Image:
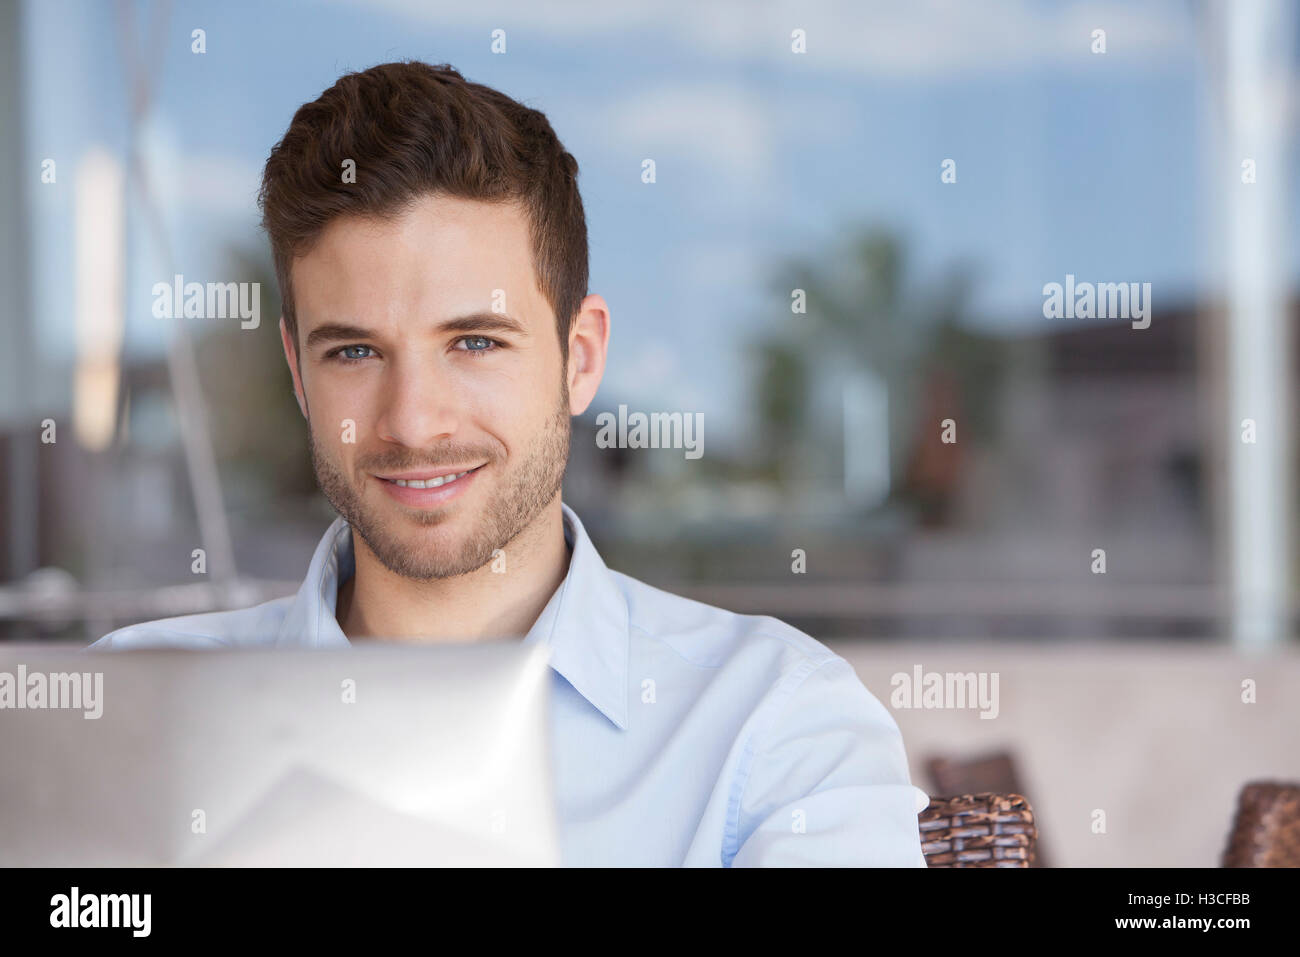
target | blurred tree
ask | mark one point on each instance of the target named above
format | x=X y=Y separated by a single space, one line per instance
x=782 y=389
x=864 y=311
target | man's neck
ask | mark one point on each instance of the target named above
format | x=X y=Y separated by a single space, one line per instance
x=376 y=603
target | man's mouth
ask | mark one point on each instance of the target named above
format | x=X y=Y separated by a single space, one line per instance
x=430 y=482
x=430 y=487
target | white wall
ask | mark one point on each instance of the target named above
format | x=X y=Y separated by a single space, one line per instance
x=1154 y=734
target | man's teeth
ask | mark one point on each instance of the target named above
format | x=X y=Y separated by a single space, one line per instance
x=429 y=483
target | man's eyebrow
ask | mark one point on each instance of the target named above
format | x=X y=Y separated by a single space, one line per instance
x=483 y=322
x=332 y=332
x=473 y=322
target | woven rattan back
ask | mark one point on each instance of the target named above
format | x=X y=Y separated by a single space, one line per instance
x=1266 y=831
x=978 y=830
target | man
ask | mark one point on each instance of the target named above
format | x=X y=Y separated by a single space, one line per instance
x=431 y=248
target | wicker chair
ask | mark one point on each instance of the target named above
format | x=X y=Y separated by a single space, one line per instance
x=994 y=772
x=978 y=830
x=1266 y=831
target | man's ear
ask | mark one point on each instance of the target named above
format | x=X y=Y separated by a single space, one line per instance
x=588 y=343
x=291 y=357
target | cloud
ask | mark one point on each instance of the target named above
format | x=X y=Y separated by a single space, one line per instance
x=721 y=124
x=222 y=185
x=717 y=265
x=917 y=38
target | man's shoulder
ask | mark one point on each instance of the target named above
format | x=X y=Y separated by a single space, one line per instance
x=710 y=636
x=258 y=625
x=797 y=688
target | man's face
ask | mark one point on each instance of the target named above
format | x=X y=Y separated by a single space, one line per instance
x=408 y=374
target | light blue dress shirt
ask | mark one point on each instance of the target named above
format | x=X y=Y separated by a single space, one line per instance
x=683 y=734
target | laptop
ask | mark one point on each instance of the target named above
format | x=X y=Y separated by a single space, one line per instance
x=381 y=754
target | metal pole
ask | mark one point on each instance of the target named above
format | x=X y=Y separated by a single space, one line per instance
x=1256 y=36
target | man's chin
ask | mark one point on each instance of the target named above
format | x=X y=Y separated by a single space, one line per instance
x=445 y=529
x=428 y=553
x=422 y=520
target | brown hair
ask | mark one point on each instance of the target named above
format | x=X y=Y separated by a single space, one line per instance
x=412 y=128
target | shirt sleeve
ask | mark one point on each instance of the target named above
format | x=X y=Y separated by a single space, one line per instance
x=135 y=637
x=828 y=783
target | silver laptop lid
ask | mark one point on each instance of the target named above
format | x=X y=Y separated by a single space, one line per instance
x=380 y=755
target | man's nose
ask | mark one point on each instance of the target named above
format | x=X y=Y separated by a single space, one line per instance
x=419 y=407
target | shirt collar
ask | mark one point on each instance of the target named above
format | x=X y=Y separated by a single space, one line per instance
x=585 y=622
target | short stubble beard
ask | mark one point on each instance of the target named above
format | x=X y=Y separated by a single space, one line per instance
x=525 y=490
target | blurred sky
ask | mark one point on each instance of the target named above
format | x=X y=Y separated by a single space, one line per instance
x=1067 y=161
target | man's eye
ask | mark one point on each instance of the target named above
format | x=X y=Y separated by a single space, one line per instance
x=476 y=344
x=350 y=353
